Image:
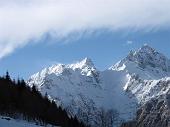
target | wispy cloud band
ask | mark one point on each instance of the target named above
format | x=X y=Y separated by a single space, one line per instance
x=22 y=20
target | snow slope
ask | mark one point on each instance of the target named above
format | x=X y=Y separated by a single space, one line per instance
x=9 y=122
x=85 y=91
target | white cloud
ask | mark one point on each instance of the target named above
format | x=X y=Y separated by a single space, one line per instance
x=22 y=20
x=129 y=42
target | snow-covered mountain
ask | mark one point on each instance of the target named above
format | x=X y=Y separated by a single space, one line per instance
x=105 y=98
x=85 y=91
x=146 y=62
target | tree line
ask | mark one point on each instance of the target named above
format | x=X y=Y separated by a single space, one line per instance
x=19 y=100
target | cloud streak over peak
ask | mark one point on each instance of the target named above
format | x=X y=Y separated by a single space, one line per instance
x=21 y=21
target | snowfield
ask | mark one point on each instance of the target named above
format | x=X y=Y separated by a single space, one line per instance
x=9 y=122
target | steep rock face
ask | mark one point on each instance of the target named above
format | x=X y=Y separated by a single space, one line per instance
x=106 y=98
x=155 y=113
x=145 y=90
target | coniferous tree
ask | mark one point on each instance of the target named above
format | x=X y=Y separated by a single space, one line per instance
x=16 y=98
x=7 y=76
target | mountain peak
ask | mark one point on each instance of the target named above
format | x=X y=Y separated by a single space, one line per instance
x=87 y=61
x=148 y=56
x=142 y=53
x=147 y=49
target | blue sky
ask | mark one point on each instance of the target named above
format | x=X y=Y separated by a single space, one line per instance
x=37 y=33
x=104 y=47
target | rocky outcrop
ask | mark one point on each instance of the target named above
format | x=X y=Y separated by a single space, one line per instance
x=155 y=113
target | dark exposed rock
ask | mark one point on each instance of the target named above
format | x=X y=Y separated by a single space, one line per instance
x=155 y=113
x=129 y=124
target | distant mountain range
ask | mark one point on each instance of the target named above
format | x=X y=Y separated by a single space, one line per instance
x=114 y=96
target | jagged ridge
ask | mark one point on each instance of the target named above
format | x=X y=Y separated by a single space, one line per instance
x=81 y=88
